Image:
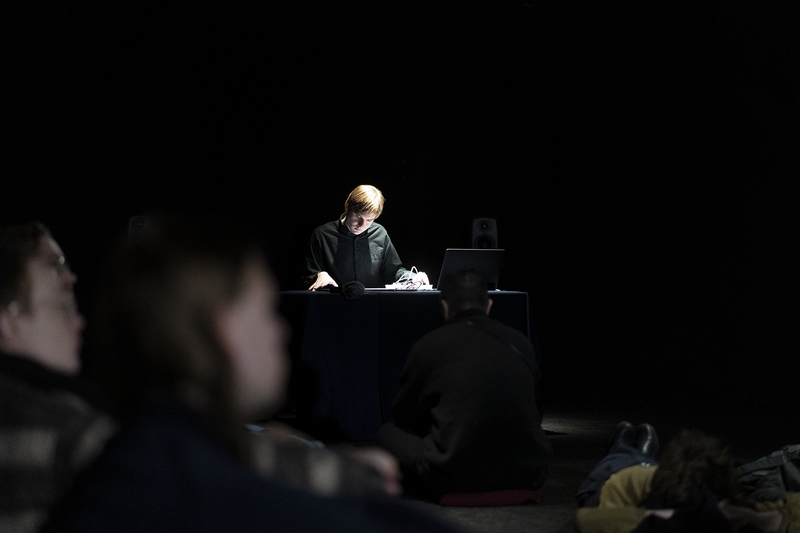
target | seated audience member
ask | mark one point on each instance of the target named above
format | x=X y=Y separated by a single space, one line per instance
x=467 y=418
x=49 y=428
x=193 y=349
x=691 y=488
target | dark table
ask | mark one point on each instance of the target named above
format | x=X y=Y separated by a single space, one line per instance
x=347 y=355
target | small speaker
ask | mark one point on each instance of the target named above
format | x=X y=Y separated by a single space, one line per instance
x=484 y=233
x=137 y=224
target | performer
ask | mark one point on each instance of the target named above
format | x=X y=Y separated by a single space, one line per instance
x=354 y=247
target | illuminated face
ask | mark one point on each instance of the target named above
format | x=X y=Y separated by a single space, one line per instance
x=49 y=331
x=358 y=223
x=255 y=337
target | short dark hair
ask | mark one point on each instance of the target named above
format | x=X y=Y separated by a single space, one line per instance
x=18 y=244
x=463 y=290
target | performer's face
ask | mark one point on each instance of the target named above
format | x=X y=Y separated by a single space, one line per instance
x=358 y=223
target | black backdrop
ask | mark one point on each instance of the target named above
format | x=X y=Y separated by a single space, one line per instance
x=641 y=162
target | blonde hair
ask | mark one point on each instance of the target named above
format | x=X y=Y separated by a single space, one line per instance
x=365 y=199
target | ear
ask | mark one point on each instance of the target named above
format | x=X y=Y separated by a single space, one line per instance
x=8 y=327
x=489 y=306
x=445 y=311
x=223 y=329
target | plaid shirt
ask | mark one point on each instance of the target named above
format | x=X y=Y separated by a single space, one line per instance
x=48 y=433
x=282 y=455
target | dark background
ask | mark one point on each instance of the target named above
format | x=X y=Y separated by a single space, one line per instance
x=641 y=161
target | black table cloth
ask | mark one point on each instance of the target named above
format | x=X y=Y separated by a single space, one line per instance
x=347 y=355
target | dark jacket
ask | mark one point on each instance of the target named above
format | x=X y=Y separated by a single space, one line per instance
x=369 y=258
x=469 y=391
x=168 y=471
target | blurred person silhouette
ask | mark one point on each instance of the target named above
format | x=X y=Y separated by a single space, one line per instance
x=194 y=349
x=690 y=487
x=51 y=424
x=467 y=419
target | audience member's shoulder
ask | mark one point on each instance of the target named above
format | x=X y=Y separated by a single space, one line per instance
x=30 y=382
x=59 y=415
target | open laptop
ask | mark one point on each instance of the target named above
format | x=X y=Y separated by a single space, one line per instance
x=485 y=261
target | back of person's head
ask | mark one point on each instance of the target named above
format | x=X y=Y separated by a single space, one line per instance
x=157 y=312
x=464 y=290
x=365 y=199
x=691 y=465
x=18 y=245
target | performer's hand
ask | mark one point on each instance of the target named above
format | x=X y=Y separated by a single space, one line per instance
x=323 y=280
x=422 y=277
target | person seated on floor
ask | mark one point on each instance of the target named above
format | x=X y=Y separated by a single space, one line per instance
x=691 y=487
x=51 y=425
x=193 y=349
x=467 y=417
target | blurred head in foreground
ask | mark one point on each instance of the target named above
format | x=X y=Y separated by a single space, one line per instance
x=190 y=310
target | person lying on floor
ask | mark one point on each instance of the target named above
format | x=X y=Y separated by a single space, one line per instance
x=691 y=487
x=772 y=482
